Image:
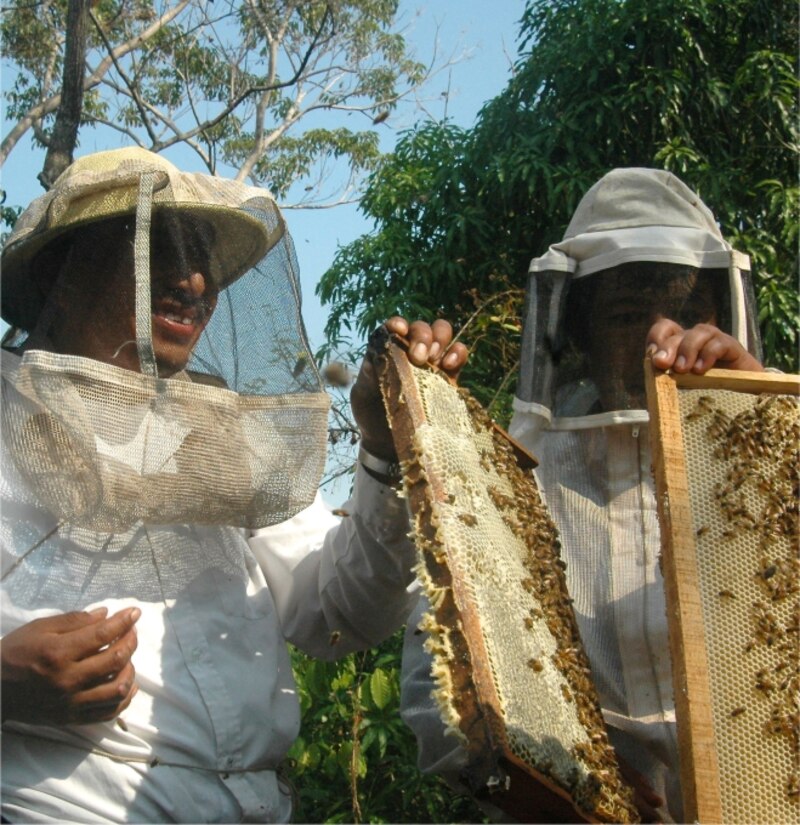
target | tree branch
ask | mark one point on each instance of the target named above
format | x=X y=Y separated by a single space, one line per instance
x=131 y=87
x=52 y=103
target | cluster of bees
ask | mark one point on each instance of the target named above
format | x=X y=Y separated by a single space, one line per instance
x=601 y=790
x=760 y=446
x=760 y=499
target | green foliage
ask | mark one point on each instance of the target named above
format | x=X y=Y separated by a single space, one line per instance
x=704 y=88
x=293 y=158
x=231 y=80
x=388 y=271
x=8 y=217
x=355 y=760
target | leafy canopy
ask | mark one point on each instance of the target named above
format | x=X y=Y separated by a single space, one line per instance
x=232 y=79
x=704 y=88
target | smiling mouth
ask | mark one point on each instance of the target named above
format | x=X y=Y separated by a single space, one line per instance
x=185 y=320
x=180 y=312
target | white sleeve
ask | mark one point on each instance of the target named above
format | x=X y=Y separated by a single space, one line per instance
x=437 y=751
x=340 y=584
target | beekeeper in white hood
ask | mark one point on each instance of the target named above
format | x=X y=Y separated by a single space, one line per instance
x=642 y=266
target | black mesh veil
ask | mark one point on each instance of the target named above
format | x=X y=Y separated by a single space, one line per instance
x=640 y=246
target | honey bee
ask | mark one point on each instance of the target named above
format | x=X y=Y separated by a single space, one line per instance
x=793 y=785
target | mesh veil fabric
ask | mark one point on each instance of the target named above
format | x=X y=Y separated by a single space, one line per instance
x=103 y=448
x=73 y=567
x=631 y=228
x=234 y=432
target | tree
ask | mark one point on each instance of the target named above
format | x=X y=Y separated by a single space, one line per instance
x=355 y=759
x=704 y=88
x=64 y=136
x=232 y=79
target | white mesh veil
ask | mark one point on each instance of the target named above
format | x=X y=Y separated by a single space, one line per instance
x=159 y=372
x=631 y=234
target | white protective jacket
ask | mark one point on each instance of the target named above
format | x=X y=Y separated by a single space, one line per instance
x=217 y=707
x=163 y=439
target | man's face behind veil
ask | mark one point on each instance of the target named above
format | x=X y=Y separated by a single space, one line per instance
x=619 y=308
x=95 y=293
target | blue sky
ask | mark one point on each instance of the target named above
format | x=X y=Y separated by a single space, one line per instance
x=484 y=43
x=487 y=40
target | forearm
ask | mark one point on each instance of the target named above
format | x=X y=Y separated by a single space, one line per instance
x=365 y=578
x=346 y=589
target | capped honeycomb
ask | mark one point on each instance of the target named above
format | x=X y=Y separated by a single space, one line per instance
x=742 y=456
x=512 y=679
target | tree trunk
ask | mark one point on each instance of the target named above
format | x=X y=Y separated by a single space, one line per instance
x=68 y=117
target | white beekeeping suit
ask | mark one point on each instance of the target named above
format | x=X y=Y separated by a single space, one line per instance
x=164 y=431
x=640 y=245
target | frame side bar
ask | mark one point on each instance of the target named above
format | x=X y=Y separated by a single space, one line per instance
x=696 y=742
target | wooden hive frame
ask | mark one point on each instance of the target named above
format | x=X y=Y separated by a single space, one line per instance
x=529 y=795
x=680 y=538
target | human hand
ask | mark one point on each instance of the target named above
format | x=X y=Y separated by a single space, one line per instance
x=697 y=349
x=427 y=344
x=74 y=668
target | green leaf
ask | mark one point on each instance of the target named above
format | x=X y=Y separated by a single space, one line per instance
x=380 y=688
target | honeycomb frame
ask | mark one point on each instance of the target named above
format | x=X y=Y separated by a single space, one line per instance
x=550 y=764
x=725 y=452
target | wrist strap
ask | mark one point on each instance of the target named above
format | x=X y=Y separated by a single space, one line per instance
x=379 y=468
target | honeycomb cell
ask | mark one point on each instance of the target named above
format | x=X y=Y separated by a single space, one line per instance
x=487 y=543
x=742 y=456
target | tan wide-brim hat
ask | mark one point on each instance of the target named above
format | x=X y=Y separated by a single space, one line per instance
x=245 y=221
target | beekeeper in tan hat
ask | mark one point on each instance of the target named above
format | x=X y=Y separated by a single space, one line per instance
x=642 y=264
x=164 y=429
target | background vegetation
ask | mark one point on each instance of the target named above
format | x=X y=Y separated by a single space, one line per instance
x=355 y=760
x=704 y=88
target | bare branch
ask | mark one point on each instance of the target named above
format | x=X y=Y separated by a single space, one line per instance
x=117 y=127
x=209 y=124
x=50 y=104
x=168 y=123
x=131 y=86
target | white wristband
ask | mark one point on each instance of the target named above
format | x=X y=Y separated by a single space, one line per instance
x=379 y=466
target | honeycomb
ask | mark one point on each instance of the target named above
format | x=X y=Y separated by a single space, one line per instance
x=516 y=673
x=742 y=456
